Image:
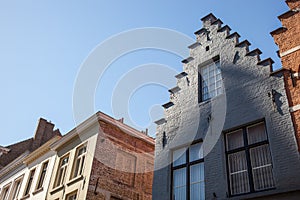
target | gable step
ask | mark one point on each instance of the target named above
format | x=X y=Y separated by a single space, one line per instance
x=174 y=90
x=202 y=30
x=235 y=34
x=254 y=52
x=279 y=30
x=243 y=43
x=194 y=45
x=226 y=27
x=180 y=75
x=168 y=105
x=267 y=61
x=160 y=121
x=187 y=60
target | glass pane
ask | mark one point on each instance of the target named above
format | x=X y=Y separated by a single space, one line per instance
x=210 y=75
x=235 y=139
x=197 y=181
x=179 y=184
x=262 y=167
x=256 y=133
x=196 y=152
x=238 y=173
x=179 y=157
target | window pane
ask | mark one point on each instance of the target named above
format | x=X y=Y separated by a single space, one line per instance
x=5 y=193
x=235 y=139
x=196 y=152
x=16 y=189
x=256 y=133
x=210 y=75
x=179 y=184
x=28 y=187
x=262 y=167
x=239 y=180
x=197 y=182
x=179 y=157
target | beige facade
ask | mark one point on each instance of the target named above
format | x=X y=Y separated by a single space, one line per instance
x=102 y=158
x=28 y=176
x=75 y=153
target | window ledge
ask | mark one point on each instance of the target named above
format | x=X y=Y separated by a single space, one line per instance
x=25 y=197
x=37 y=190
x=74 y=180
x=58 y=188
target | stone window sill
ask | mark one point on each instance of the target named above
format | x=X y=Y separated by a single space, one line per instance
x=25 y=197
x=58 y=188
x=38 y=190
x=74 y=180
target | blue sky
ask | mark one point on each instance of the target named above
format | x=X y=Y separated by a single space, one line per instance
x=44 y=43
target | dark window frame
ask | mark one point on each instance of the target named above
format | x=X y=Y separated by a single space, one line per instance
x=246 y=148
x=200 y=79
x=187 y=165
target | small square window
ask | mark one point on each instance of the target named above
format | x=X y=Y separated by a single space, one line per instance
x=72 y=196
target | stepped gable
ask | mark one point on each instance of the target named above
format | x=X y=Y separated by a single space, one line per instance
x=44 y=132
x=214 y=41
x=287 y=38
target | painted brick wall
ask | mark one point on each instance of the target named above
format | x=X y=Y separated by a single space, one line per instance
x=248 y=97
x=288 y=41
x=122 y=167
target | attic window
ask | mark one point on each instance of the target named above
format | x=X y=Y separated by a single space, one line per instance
x=211 y=80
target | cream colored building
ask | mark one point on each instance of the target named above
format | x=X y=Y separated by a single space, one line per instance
x=73 y=165
x=28 y=176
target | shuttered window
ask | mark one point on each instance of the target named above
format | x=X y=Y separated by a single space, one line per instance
x=249 y=160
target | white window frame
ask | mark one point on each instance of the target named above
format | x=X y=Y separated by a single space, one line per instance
x=79 y=161
x=62 y=171
x=70 y=196
x=5 y=193
x=42 y=175
x=211 y=84
x=16 y=188
x=29 y=182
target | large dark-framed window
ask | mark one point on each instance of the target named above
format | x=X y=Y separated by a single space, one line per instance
x=249 y=162
x=188 y=173
x=210 y=79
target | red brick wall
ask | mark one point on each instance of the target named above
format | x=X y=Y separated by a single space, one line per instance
x=287 y=40
x=122 y=166
x=293 y=4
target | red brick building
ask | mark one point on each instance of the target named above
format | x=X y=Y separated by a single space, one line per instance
x=287 y=38
x=111 y=161
x=122 y=167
